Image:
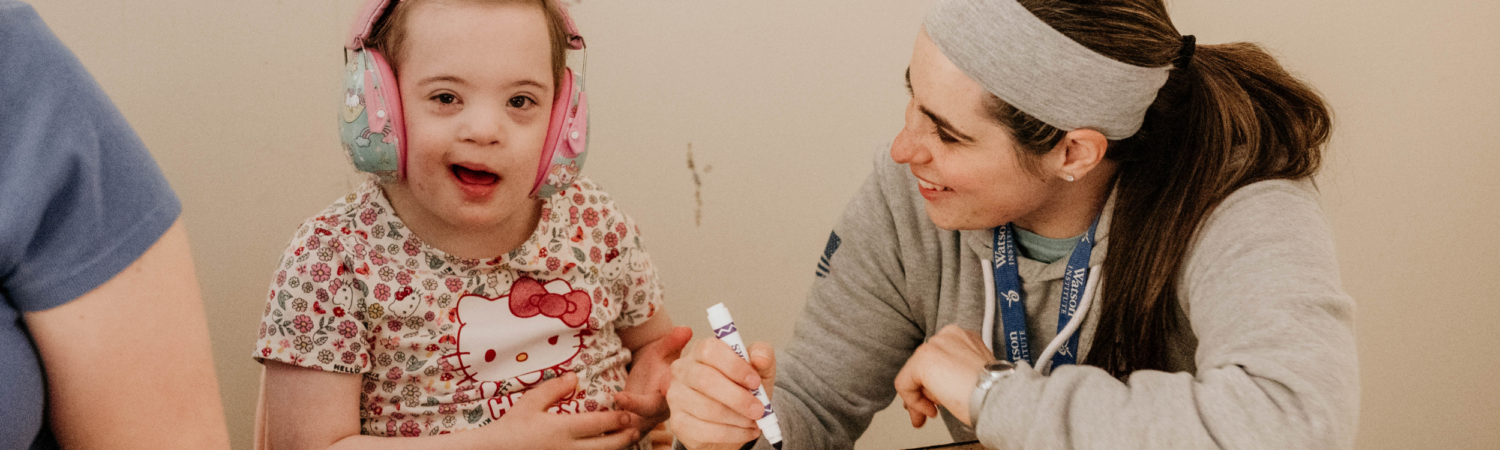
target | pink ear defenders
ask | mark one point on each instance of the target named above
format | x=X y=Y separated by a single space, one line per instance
x=374 y=133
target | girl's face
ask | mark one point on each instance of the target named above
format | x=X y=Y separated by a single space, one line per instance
x=968 y=165
x=476 y=90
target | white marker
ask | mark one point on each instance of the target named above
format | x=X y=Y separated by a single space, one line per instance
x=724 y=329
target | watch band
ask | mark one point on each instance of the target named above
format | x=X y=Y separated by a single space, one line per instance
x=992 y=372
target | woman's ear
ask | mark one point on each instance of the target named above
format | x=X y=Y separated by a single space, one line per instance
x=1082 y=150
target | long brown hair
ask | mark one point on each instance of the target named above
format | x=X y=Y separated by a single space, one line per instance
x=1228 y=116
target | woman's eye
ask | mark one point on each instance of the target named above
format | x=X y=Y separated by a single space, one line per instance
x=446 y=99
x=944 y=136
x=520 y=101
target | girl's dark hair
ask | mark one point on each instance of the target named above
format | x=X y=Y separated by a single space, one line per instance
x=1228 y=117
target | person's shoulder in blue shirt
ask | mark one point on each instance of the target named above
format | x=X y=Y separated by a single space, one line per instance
x=81 y=198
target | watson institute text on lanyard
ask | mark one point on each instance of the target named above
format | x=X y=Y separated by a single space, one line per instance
x=1011 y=300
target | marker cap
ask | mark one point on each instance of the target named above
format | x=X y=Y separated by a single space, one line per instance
x=718 y=316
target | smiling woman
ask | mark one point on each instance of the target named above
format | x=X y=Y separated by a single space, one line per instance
x=1059 y=154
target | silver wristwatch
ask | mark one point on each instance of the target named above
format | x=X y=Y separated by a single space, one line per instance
x=992 y=372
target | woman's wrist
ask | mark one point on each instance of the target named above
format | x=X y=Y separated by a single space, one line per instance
x=989 y=375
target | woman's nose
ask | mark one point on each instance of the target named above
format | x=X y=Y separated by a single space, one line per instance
x=908 y=150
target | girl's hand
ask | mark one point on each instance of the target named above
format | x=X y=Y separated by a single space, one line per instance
x=710 y=394
x=645 y=393
x=309 y=409
x=529 y=425
x=942 y=371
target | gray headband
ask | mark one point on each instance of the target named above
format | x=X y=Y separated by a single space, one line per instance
x=1041 y=72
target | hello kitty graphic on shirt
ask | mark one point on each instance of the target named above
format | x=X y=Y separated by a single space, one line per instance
x=530 y=335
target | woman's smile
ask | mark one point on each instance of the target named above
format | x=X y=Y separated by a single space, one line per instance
x=932 y=191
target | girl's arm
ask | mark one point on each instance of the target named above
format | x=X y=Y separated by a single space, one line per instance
x=656 y=327
x=645 y=328
x=655 y=345
x=313 y=409
x=128 y=364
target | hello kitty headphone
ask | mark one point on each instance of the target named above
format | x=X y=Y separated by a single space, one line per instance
x=373 y=130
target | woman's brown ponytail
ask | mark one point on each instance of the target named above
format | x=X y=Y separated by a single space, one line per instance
x=1228 y=116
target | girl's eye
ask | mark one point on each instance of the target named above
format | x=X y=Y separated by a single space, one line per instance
x=520 y=101
x=446 y=99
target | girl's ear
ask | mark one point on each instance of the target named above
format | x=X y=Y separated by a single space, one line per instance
x=1082 y=151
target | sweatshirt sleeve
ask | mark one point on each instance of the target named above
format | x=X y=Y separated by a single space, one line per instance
x=857 y=328
x=1276 y=361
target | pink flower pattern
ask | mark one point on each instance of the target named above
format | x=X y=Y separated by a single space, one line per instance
x=321 y=272
x=348 y=329
x=590 y=217
x=302 y=323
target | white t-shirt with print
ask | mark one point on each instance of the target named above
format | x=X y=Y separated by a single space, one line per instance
x=445 y=343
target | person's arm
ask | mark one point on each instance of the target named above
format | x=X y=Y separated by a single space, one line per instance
x=654 y=346
x=128 y=364
x=657 y=327
x=851 y=339
x=1276 y=362
x=646 y=330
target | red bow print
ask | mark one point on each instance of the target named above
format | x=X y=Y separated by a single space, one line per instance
x=528 y=298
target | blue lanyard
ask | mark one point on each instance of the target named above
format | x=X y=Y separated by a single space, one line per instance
x=1011 y=299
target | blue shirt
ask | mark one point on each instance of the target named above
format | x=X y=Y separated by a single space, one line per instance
x=80 y=199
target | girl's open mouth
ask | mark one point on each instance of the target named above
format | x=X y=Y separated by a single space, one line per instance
x=475 y=182
x=466 y=175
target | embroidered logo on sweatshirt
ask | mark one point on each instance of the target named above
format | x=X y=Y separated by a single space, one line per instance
x=833 y=246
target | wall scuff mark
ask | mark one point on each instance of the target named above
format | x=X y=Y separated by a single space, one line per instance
x=697 y=185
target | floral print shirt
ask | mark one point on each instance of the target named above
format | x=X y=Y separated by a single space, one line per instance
x=445 y=343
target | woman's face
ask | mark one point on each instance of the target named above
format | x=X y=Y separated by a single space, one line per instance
x=476 y=87
x=968 y=165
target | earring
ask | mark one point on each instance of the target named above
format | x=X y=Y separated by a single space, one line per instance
x=1068 y=176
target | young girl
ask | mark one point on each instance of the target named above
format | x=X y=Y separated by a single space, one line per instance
x=478 y=267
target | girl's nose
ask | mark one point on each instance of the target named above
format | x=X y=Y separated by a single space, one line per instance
x=482 y=126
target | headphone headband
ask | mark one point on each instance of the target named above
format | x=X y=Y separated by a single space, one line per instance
x=364 y=23
x=373 y=10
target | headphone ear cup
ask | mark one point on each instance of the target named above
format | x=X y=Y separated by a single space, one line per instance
x=370 y=122
x=389 y=93
x=565 y=148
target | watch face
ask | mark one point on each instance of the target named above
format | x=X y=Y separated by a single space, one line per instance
x=999 y=365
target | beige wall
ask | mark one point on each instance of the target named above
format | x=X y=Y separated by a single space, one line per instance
x=786 y=100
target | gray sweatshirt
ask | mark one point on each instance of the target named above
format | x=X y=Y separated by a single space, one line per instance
x=1267 y=359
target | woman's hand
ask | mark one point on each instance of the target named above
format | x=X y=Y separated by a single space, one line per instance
x=942 y=372
x=645 y=393
x=710 y=394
